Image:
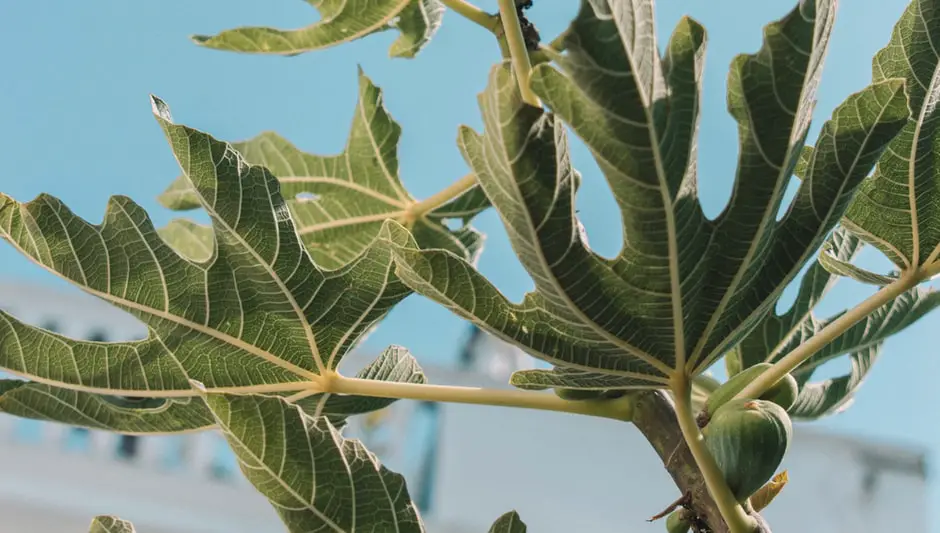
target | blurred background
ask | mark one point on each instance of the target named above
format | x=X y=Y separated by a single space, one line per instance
x=75 y=122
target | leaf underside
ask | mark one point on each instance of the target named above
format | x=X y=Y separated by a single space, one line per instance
x=395 y=364
x=97 y=411
x=175 y=415
x=778 y=334
x=897 y=210
x=834 y=265
x=341 y=21
x=251 y=312
x=316 y=479
x=341 y=202
x=110 y=524
x=508 y=523
x=683 y=289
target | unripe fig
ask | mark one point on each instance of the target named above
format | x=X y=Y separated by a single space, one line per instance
x=678 y=522
x=783 y=393
x=748 y=439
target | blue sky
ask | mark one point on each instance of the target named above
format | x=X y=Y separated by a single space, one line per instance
x=76 y=123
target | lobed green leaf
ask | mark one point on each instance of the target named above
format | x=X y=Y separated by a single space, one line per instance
x=845 y=268
x=314 y=477
x=190 y=239
x=110 y=524
x=257 y=315
x=395 y=363
x=341 y=21
x=508 y=523
x=683 y=290
x=778 y=334
x=834 y=395
x=897 y=209
x=98 y=411
x=142 y=415
x=341 y=202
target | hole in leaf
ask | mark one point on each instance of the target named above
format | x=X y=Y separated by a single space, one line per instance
x=307 y=197
x=595 y=206
x=788 y=196
x=833 y=368
x=788 y=297
x=499 y=262
x=453 y=224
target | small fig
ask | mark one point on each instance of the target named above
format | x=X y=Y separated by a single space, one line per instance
x=783 y=393
x=678 y=522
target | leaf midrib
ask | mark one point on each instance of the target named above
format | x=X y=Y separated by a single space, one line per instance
x=290 y=490
x=349 y=331
x=91 y=422
x=767 y=217
x=911 y=171
x=304 y=256
x=395 y=185
x=553 y=280
x=351 y=221
x=808 y=251
x=741 y=270
x=439 y=296
x=167 y=393
x=328 y=180
x=254 y=350
x=678 y=320
x=384 y=21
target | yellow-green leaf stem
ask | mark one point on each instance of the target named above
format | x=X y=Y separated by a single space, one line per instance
x=521 y=64
x=734 y=514
x=473 y=14
x=455 y=189
x=804 y=351
x=619 y=409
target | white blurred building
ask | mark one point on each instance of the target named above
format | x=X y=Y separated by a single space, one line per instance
x=465 y=465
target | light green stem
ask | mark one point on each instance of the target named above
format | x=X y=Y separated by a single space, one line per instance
x=617 y=409
x=517 y=50
x=455 y=189
x=473 y=14
x=734 y=514
x=801 y=353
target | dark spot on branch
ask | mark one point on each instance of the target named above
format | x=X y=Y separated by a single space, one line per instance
x=529 y=31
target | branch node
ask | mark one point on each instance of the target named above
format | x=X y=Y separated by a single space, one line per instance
x=684 y=501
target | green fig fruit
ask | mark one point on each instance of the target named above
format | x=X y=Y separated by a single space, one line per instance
x=748 y=439
x=678 y=522
x=783 y=393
